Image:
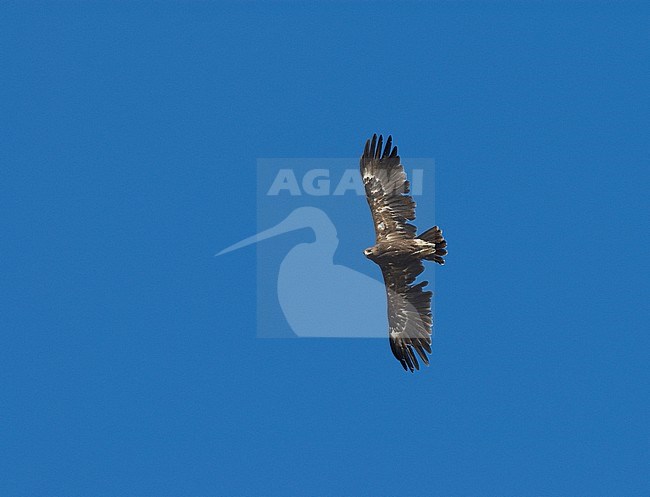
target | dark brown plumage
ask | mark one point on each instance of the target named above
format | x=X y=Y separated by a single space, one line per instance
x=399 y=252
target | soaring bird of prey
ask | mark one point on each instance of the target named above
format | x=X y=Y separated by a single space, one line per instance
x=399 y=252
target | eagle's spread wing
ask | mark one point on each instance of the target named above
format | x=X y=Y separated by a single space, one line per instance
x=409 y=312
x=387 y=191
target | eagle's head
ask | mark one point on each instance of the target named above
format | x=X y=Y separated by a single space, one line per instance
x=371 y=252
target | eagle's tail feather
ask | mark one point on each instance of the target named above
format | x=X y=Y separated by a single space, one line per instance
x=434 y=235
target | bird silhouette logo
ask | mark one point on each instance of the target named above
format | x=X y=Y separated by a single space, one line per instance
x=318 y=297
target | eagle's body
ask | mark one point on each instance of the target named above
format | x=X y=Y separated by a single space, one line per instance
x=399 y=252
x=387 y=251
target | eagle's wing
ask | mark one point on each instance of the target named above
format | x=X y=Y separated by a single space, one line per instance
x=409 y=312
x=387 y=191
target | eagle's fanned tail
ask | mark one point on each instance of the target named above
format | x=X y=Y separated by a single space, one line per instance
x=434 y=235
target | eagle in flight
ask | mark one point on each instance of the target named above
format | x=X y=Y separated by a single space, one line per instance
x=399 y=252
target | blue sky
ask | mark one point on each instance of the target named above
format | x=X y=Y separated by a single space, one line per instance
x=129 y=359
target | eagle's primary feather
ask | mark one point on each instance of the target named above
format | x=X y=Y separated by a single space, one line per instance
x=399 y=252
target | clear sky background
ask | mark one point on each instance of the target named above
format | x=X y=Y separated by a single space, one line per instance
x=129 y=363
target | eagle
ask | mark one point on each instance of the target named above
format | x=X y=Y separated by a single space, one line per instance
x=399 y=252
